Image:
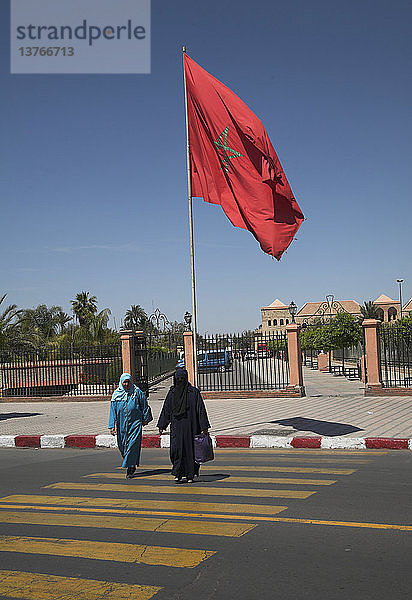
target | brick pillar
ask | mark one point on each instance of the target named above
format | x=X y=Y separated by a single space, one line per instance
x=127 y=352
x=373 y=371
x=295 y=359
x=323 y=362
x=189 y=356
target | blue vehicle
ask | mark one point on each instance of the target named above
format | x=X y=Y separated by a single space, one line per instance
x=209 y=360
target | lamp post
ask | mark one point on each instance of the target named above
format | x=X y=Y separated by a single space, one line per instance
x=330 y=299
x=400 y=281
x=293 y=310
x=188 y=320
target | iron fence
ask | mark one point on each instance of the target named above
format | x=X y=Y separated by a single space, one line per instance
x=160 y=364
x=395 y=344
x=242 y=362
x=69 y=370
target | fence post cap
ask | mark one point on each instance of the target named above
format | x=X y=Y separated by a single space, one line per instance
x=126 y=333
x=293 y=327
x=370 y=322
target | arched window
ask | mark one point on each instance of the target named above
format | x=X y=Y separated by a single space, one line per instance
x=392 y=313
x=269 y=323
x=379 y=314
x=275 y=321
x=281 y=322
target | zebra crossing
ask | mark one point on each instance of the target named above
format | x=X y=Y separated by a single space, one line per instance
x=239 y=498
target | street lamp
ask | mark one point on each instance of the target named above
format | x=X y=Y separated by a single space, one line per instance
x=400 y=281
x=188 y=320
x=330 y=299
x=292 y=309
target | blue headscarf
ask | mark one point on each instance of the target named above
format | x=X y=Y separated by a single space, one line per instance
x=120 y=393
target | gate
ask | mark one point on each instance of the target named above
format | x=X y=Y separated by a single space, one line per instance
x=395 y=343
x=242 y=362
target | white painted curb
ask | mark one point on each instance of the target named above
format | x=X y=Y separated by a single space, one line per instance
x=106 y=441
x=165 y=441
x=7 y=441
x=340 y=442
x=52 y=441
x=270 y=441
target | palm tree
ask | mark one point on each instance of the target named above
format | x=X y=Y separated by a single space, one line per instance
x=41 y=321
x=98 y=324
x=135 y=318
x=9 y=320
x=369 y=310
x=62 y=319
x=84 y=307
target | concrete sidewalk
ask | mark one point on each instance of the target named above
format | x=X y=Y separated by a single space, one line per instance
x=333 y=407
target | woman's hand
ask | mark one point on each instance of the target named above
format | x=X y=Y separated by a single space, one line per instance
x=112 y=431
x=205 y=431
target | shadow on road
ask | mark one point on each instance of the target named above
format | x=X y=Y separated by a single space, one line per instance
x=328 y=428
x=15 y=415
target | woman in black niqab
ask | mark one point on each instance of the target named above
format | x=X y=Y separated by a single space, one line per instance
x=185 y=411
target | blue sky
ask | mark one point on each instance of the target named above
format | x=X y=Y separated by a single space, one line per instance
x=93 y=167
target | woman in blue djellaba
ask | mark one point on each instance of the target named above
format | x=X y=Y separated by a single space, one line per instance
x=129 y=412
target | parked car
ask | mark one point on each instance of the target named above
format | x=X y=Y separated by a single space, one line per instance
x=214 y=360
x=209 y=360
x=263 y=351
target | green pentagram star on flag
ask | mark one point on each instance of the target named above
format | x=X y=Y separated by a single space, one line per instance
x=225 y=148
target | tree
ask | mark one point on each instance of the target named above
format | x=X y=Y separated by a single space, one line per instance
x=343 y=331
x=136 y=318
x=84 y=307
x=41 y=322
x=62 y=319
x=369 y=310
x=9 y=322
x=98 y=324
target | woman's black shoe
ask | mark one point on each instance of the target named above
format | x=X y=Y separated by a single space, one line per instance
x=130 y=472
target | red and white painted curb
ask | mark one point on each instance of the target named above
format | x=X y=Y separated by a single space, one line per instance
x=219 y=441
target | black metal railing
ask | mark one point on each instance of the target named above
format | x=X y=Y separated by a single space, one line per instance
x=92 y=370
x=242 y=362
x=395 y=344
x=160 y=364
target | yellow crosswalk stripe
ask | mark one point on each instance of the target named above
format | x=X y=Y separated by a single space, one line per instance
x=300 y=459
x=150 y=505
x=251 y=479
x=130 y=523
x=263 y=468
x=299 y=451
x=168 y=513
x=130 y=553
x=36 y=586
x=177 y=490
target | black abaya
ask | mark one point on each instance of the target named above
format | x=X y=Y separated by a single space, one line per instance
x=183 y=429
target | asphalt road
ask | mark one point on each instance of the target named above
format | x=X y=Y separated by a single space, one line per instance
x=261 y=373
x=270 y=523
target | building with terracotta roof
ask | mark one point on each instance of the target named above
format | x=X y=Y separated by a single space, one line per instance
x=407 y=309
x=388 y=309
x=275 y=317
x=312 y=311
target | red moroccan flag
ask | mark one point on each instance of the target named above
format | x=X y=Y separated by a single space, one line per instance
x=235 y=165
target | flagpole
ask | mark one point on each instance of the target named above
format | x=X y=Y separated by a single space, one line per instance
x=191 y=237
